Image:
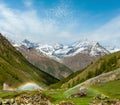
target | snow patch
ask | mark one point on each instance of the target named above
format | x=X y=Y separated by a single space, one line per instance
x=59 y=51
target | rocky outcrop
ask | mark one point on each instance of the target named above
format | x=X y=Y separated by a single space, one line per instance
x=103 y=78
x=45 y=63
x=82 y=93
x=104 y=101
x=66 y=103
x=27 y=99
x=79 y=61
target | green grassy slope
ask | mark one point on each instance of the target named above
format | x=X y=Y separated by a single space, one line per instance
x=15 y=69
x=107 y=84
x=111 y=88
x=58 y=96
x=104 y=64
x=100 y=80
x=65 y=80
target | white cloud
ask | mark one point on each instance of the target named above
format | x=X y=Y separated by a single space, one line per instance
x=18 y=25
x=27 y=24
x=110 y=30
x=108 y=34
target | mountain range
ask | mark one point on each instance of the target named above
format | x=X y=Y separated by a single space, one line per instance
x=25 y=63
x=75 y=56
x=51 y=66
x=60 y=51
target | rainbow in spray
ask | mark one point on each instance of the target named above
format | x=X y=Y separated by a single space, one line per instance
x=29 y=86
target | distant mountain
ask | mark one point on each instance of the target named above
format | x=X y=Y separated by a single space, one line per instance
x=83 y=54
x=16 y=70
x=29 y=44
x=45 y=63
x=61 y=51
x=76 y=56
x=79 y=61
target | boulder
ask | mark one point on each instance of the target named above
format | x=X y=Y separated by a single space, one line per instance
x=82 y=93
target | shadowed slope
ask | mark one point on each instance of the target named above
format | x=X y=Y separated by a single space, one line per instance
x=15 y=69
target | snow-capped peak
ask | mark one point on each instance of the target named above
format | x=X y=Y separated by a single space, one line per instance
x=84 y=43
x=89 y=47
x=29 y=44
x=59 y=51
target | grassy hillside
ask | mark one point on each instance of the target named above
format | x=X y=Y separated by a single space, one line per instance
x=106 y=84
x=98 y=80
x=111 y=88
x=15 y=69
x=65 y=80
x=104 y=64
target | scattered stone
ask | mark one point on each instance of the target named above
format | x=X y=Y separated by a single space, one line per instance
x=36 y=98
x=98 y=100
x=0 y=101
x=101 y=97
x=66 y=103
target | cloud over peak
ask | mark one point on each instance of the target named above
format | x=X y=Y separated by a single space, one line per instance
x=16 y=23
x=58 y=23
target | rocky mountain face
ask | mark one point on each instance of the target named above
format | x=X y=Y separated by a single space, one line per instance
x=84 y=53
x=76 y=56
x=46 y=64
x=79 y=61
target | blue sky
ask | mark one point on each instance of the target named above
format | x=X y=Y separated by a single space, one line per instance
x=62 y=21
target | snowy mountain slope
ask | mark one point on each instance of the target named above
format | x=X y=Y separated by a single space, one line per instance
x=61 y=51
x=75 y=56
x=112 y=48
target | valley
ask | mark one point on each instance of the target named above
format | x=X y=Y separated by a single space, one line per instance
x=35 y=84
x=59 y=52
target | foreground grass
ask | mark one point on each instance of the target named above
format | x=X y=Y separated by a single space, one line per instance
x=13 y=94
x=111 y=89
x=59 y=95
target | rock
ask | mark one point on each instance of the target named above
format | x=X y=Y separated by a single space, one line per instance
x=33 y=98
x=12 y=101
x=100 y=101
x=0 y=101
x=101 y=97
x=81 y=93
x=117 y=103
x=66 y=103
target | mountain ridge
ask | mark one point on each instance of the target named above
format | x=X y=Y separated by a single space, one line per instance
x=49 y=65
x=60 y=51
x=16 y=70
x=81 y=52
